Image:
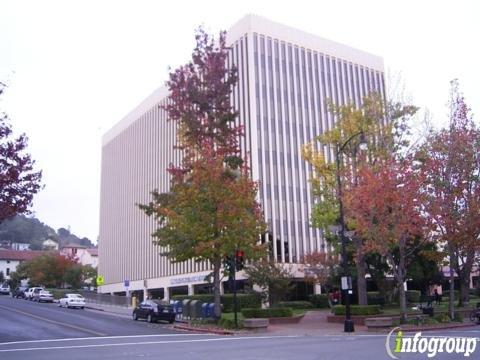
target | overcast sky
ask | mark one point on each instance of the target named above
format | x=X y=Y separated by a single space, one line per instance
x=75 y=68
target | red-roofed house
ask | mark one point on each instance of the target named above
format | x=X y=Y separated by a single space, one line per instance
x=82 y=254
x=9 y=259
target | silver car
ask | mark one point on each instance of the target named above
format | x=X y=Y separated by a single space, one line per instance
x=43 y=296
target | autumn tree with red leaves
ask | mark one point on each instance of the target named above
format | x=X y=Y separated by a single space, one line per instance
x=19 y=182
x=320 y=267
x=386 y=207
x=450 y=162
x=211 y=208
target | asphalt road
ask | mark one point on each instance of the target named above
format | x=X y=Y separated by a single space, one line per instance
x=44 y=331
x=22 y=320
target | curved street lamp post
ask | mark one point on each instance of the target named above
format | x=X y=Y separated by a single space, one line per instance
x=346 y=279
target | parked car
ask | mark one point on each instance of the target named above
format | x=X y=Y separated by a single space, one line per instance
x=154 y=310
x=72 y=300
x=4 y=289
x=31 y=291
x=19 y=292
x=43 y=296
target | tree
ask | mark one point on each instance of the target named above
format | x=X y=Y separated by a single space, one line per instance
x=450 y=161
x=385 y=126
x=386 y=206
x=272 y=278
x=2 y=277
x=73 y=276
x=320 y=268
x=18 y=180
x=210 y=210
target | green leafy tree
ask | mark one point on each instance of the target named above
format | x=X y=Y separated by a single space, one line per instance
x=385 y=126
x=210 y=210
x=73 y=276
x=2 y=277
x=273 y=278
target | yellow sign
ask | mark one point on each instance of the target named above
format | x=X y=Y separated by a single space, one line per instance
x=100 y=280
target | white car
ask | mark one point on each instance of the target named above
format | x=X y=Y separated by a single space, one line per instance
x=32 y=291
x=5 y=289
x=72 y=300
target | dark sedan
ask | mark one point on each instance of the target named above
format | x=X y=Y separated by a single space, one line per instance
x=154 y=310
x=19 y=292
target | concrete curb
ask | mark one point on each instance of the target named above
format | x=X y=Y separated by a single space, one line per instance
x=204 y=330
x=446 y=327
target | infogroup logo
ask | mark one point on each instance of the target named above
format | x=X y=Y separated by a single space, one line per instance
x=431 y=345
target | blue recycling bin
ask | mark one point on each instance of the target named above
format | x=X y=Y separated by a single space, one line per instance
x=177 y=307
x=211 y=308
x=205 y=310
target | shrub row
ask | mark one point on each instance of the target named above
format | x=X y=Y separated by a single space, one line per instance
x=358 y=309
x=319 y=301
x=295 y=304
x=243 y=300
x=267 y=313
x=413 y=296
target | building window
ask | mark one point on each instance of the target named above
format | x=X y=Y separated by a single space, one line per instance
x=8 y=261
x=8 y=271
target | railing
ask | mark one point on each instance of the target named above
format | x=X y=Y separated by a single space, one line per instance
x=106 y=299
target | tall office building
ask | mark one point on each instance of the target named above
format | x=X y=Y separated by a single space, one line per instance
x=285 y=78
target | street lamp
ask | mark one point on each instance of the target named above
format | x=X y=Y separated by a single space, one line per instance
x=346 y=280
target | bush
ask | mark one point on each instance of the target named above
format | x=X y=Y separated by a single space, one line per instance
x=442 y=318
x=446 y=295
x=374 y=298
x=413 y=296
x=59 y=293
x=243 y=300
x=458 y=317
x=319 y=301
x=267 y=313
x=227 y=321
x=295 y=304
x=358 y=310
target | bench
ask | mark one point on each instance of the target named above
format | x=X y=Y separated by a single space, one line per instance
x=256 y=325
x=377 y=323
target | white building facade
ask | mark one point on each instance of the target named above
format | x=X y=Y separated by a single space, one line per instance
x=285 y=78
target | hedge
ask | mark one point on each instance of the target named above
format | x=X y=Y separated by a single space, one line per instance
x=267 y=313
x=319 y=301
x=243 y=300
x=295 y=304
x=413 y=296
x=446 y=295
x=358 y=310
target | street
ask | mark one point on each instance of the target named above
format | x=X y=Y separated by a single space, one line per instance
x=45 y=331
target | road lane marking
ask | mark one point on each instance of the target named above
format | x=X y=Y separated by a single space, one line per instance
x=147 y=343
x=99 y=338
x=75 y=327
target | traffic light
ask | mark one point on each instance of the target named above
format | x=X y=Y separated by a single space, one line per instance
x=239 y=260
x=229 y=265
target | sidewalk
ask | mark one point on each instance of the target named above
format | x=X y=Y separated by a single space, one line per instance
x=314 y=323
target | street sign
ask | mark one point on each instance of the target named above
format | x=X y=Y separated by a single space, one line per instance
x=346 y=282
x=126 y=283
x=100 y=280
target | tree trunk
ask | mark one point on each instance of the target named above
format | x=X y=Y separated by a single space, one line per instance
x=216 y=288
x=361 y=280
x=451 y=299
x=403 y=302
x=464 y=278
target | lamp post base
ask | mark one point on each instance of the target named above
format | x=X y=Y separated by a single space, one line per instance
x=348 y=326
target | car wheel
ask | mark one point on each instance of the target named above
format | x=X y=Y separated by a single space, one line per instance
x=81 y=307
x=68 y=305
x=134 y=316
x=150 y=318
x=171 y=321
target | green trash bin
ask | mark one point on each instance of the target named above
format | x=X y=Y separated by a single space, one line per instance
x=186 y=308
x=195 y=309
